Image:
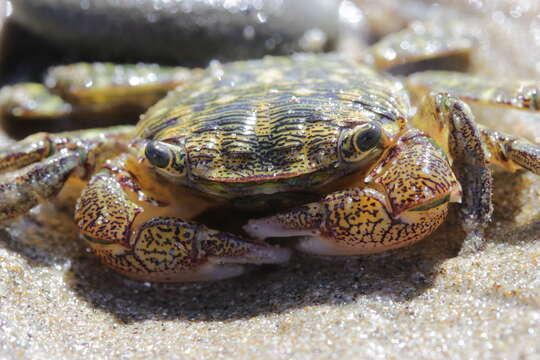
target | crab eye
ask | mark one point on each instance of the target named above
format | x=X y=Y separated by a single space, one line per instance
x=367 y=139
x=360 y=142
x=157 y=154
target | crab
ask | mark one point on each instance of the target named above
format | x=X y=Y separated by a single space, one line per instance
x=324 y=149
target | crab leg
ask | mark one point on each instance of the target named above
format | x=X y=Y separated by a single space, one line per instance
x=25 y=152
x=505 y=150
x=451 y=123
x=400 y=202
x=147 y=238
x=511 y=152
x=37 y=167
x=24 y=189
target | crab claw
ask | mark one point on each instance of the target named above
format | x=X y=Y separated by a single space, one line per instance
x=176 y=250
x=133 y=239
x=168 y=249
x=405 y=200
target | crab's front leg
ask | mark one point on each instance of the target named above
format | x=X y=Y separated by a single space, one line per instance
x=146 y=233
x=401 y=201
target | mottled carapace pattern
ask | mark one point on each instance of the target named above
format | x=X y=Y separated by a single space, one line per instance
x=275 y=118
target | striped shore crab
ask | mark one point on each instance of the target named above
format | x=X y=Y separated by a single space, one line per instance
x=329 y=149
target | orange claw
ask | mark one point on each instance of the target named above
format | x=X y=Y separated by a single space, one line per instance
x=131 y=236
x=403 y=199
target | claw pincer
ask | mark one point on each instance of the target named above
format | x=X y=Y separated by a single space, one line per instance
x=130 y=238
x=403 y=199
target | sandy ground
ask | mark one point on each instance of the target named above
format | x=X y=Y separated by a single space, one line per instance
x=423 y=302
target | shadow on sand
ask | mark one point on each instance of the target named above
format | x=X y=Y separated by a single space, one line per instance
x=306 y=281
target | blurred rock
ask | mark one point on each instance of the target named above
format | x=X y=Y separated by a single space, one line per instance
x=181 y=32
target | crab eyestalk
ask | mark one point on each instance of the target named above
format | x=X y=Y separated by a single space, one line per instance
x=404 y=199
